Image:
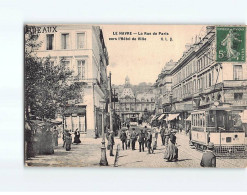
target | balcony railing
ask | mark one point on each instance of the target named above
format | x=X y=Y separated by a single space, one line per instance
x=235 y=83
x=237 y=102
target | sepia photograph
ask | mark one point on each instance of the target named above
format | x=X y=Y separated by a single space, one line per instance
x=135 y=96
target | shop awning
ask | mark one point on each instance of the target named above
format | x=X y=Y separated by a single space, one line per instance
x=40 y=123
x=189 y=118
x=172 y=117
x=161 y=116
x=154 y=117
x=57 y=122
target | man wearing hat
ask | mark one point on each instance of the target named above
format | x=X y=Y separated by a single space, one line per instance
x=208 y=158
x=146 y=135
x=128 y=138
x=149 y=142
x=141 y=137
x=123 y=138
x=111 y=142
x=162 y=135
x=133 y=139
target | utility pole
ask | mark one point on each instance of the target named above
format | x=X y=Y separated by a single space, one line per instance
x=114 y=95
x=110 y=103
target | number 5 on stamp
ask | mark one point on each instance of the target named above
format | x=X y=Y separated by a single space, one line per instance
x=230 y=44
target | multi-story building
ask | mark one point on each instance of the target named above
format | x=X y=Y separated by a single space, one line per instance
x=163 y=88
x=133 y=105
x=83 y=49
x=198 y=80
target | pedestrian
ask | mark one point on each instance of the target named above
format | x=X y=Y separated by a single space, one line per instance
x=162 y=135
x=167 y=135
x=108 y=133
x=208 y=158
x=171 y=152
x=77 y=137
x=180 y=128
x=68 y=141
x=55 y=136
x=64 y=136
x=149 y=142
x=146 y=135
x=133 y=139
x=111 y=142
x=154 y=138
x=128 y=138
x=141 y=137
x=123 y=138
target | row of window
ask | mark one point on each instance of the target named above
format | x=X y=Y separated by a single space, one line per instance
x=133 y=109
x=204 y=82
x=133 y=105
x=65 y=41
x=204 y=61
x=136 y=100
x=79 y=70
x=198 y=120
x=193 y=67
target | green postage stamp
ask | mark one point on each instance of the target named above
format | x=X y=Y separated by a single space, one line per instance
x=230 y=44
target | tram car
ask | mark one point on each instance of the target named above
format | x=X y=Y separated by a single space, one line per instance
x=133 y=121
x=222 y=126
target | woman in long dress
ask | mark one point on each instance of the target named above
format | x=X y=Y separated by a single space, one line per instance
x=68 y=141
x=55 y=136
x=77 y=137
x=171 y=152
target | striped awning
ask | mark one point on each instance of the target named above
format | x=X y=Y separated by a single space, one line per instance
x=189 y=118
x=161 y=116
x=172 y=117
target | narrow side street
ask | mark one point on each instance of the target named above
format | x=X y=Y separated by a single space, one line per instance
x=88 y=153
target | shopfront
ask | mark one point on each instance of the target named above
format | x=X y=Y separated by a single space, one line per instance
x=74 y=117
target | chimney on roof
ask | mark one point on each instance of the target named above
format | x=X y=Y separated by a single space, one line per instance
x=209 y=28
x=187 y=46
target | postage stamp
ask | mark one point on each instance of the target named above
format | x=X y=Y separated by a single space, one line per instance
x=230 y=43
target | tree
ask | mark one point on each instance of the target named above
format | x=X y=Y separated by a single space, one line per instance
x=47 y=86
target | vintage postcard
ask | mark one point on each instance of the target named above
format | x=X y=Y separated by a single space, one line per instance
x=148 y=96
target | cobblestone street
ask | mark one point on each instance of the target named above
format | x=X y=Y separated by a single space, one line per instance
x=88 y=153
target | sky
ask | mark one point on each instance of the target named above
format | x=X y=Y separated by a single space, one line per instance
x=143 y=60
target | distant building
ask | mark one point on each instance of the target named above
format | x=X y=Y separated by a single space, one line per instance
x=133 y=105
x=163 y=88
x=83 y=49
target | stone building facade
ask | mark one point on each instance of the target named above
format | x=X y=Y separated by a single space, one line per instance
x=83 y=49
x=198 y=80
x=133 y=105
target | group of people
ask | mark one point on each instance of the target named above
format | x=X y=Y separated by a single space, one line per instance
x=67 y=139
x=146 y=137
x=168 y=139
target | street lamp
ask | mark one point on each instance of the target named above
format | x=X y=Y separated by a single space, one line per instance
x=103 y=160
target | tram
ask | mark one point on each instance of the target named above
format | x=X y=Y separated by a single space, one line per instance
x=222 y=126
x=133 y=121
